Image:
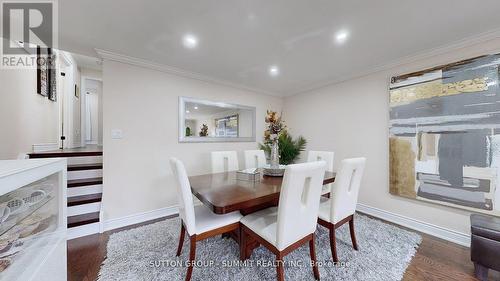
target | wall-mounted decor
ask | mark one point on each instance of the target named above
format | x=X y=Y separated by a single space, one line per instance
x=215 y=121
x=445 y=135
x=46 y=73
x=42 y=73
x=53 y=82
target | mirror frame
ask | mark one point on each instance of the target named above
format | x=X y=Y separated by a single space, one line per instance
x=182 y=121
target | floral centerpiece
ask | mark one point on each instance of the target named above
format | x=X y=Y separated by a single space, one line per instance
x=275 y=126
x=279 y=144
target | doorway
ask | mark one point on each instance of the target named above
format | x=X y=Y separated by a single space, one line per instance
x=92 y=111
x=69 y=125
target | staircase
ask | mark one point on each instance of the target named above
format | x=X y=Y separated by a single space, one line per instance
x=84 y=187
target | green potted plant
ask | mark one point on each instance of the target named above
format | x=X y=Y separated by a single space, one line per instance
x=289 y=149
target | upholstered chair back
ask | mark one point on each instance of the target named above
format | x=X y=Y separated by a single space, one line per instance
x=346 y=188
x=327 y=156
x=184 y=195
x=299 y=202
x=254 y=159
x=224 y=161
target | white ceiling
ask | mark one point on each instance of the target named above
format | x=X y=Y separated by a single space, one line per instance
x=240 y=39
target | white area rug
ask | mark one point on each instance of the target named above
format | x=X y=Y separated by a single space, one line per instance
x=148 y=253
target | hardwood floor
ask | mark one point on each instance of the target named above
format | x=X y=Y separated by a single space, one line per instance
x=436 y=259
x=86 y=254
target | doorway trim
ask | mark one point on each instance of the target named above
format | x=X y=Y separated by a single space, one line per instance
x=64 y=67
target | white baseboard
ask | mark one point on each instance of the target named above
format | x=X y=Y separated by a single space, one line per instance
x=427 y=228
x=138 y=218
x=121 y=222
x=39 y=147
x=76 y=144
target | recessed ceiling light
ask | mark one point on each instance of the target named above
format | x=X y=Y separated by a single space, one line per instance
x=187 y=111
x=341 y=36
x=274 y=70
x=195 y=107
x=190 y=41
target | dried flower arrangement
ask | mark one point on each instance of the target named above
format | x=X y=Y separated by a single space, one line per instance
x=275 y=125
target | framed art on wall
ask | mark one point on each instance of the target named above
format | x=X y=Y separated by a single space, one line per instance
x=42 y=73
x=444 y=141
x=46 y=73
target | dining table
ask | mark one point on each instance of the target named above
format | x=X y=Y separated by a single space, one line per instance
x=224 y=193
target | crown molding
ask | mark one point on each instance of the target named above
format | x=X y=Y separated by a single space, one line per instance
x=108 y=55
x=467 y=42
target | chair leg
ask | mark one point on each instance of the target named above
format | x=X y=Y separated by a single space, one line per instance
x=192 y=255
x=181 y=240
x=333 y=245
x=480 y=271
x=279 y=267
x=243 y=243
x=353 y=234
x=312 y=252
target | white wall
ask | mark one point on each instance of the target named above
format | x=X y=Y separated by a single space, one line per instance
x=143 y=103
x=26 y=118
x=351 y=118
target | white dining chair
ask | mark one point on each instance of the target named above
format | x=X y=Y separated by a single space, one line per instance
x=340 y=208
x=199 y=222
x=224 y=161
x=254 y=159
x=284 y=228
x=326 y=156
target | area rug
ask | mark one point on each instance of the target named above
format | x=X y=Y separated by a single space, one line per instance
x=148 y=253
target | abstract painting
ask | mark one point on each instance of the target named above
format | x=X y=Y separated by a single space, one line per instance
x=444 y=141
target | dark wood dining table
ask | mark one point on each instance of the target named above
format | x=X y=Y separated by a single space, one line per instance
x=224 y=193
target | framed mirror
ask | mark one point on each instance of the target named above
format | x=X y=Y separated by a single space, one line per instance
x=210 y=121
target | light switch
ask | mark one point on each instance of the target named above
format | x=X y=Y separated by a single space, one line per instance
x=116 y=134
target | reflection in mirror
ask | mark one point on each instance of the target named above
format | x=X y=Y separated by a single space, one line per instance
x=208 y=121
